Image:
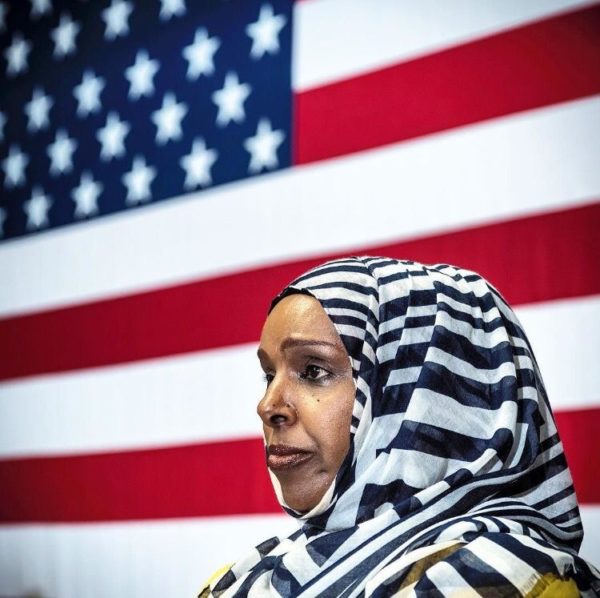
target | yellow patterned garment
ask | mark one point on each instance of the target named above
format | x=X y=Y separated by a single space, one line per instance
x=544 y=586
x=551 y=586
x=548 y=586
x=205 y=592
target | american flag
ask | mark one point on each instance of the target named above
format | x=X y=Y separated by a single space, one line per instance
x=111 y=106
x=167 y=166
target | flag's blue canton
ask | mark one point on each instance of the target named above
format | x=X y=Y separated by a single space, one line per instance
x=112 y=104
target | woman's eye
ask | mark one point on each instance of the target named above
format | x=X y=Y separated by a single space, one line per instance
x=314 y=372
x=268 y=378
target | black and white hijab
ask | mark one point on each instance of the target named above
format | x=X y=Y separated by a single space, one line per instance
x=453 y=444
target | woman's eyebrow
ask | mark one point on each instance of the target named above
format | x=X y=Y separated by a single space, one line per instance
x=306 y=342
x=291 y=342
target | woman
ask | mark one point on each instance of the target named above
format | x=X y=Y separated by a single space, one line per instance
x=408 y=430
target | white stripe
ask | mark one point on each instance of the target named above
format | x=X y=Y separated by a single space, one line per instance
x=403 y=376
x=148 y=559
x=489 y=524
x=155 y=403
x=487 y=316
x=422 y=470
x=351 y=313
x=410 y=336
x=450 y=582
x=391 y=31
x=354 y=331
x=516 y=451
x=551 y=155
x=558 y=508
x=413 y=311
x=464 y=368
x=403 y=563
x=432 y=408
x=478 y=337
x=382 y=269
x=180 y=399
x=137 y=560
x=565 y=337
x=560 y=480
x=348 y=295
x=563 y=560
x=333 y=279
x=518 y=572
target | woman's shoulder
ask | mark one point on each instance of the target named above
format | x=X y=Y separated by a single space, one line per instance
x=552 y=586
x=487 y=566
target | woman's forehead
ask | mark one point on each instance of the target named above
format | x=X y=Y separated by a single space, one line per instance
x=298 y=318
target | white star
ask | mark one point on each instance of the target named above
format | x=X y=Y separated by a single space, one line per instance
x=265 y=32
x=263 y=147
x=138 y=181
x=64 y=36
x=39 y=8
x=140 y=75
x=197 y=165
x=37 y=209
x=116 y=18
x=171 y=8
x=3 y=11
x=230 y=100
x=88 y=92
x=14 y=166
x=16 y=55
x=168 y=119
x=37 y=110
x=112 y=137
x=86 y=196
x=2 y=123
x=2 y=221
x=200 y=54
x=60 y=152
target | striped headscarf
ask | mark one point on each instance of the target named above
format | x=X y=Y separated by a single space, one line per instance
x=453 y=449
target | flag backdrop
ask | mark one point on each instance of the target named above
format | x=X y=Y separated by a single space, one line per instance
x=167 y=166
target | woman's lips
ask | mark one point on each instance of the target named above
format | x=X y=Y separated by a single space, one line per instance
x=280 y=456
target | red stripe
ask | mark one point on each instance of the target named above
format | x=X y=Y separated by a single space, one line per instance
x=225 y=478
x=550 y=61
x=579 y=431
x=543 y=257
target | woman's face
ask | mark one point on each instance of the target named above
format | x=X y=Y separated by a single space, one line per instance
x=308 y=401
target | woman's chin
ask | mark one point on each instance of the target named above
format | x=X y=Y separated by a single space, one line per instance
x=302 y=499
x=305 y=494
x=300 y=504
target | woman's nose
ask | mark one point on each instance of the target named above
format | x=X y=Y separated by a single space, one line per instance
x=275 y=408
